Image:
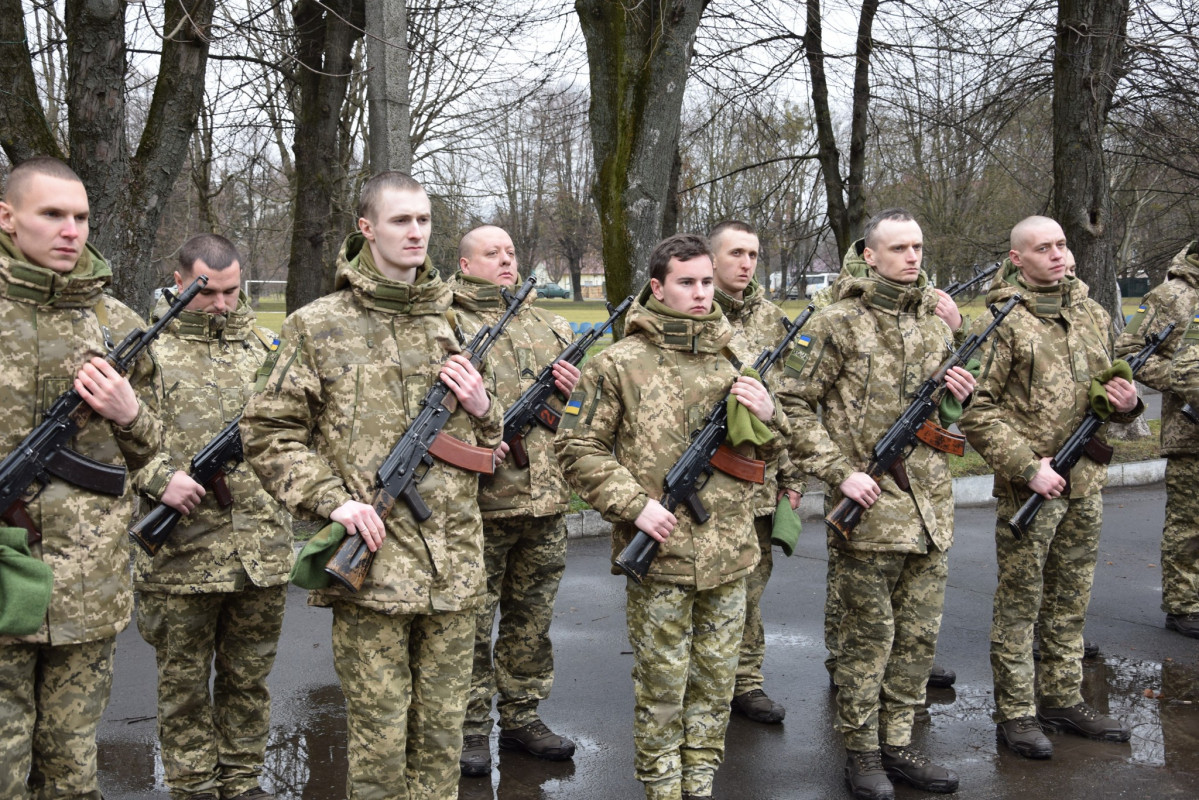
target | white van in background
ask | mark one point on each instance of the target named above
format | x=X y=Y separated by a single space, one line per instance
x=817 y=281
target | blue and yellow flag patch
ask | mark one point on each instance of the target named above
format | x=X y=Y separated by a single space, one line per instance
x=799 y=355
x=572 y=409
x=574 y=406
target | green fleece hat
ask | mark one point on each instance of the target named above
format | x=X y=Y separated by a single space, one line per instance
x=744 y=427
x=309 y=571
x=1097 y=396
x=25 y=585
x=786 y=526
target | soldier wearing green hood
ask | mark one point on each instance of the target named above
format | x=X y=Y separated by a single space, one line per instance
x=352 y=370
x=55 y=324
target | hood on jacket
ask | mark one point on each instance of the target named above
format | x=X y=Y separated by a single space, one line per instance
x=1185 y=265
x=356 y=270
x=674 y=330
x=479 y=294
x=1040 y=300
x=886 y=295
x=233 y=326
x=24 y=281
x=731 y=306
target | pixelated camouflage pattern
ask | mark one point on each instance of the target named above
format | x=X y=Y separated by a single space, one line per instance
x=1180 y=536
x=1036 y=375
x=1174 y=300
x=525 y=558
x=51 y=702
x=405 y=679
x=218 y=744
x=684 y=644
x=352 y=371
x=643 y=398
x=531 y=341
x=207 y=367
x=1044 y=586
x=49 y=328
x=860 y=361
x=887 y=639
x=753 y=640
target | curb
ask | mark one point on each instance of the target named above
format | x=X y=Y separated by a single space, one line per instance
x=968 y=492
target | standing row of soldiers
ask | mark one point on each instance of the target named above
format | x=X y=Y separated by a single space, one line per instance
x=324 y=403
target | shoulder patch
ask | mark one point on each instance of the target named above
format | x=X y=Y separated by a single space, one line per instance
x=1192 y=333
x=572 y=409
x=799 y=355
x=1138 y=317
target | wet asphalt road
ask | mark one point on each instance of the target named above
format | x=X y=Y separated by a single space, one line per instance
x=1148 y=676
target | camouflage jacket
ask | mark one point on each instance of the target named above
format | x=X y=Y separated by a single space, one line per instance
x=859 y=362
x=635 y=409
x=1174 y=300
x=207 y=368
x=350 y=373
x=1184 y=369
x=50 y=325
x=531 y=340
x=1036 y=374
x=755 y=321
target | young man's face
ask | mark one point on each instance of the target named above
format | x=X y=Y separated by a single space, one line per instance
x=399 y=231
x=492 y=258
x=898 y=250
x=736 y=260
x=221 y=293
x=47 y=220
x=1041 y=257
x=688 y=286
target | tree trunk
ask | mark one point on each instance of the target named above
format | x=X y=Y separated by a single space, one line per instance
x=387 y=85
x=24 y=130
x=638 y=55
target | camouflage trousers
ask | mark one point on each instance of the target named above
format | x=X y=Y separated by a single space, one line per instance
x=1180 y=537
x=1044 y=582
x=685 y=646
x=753 y=641
x=405 y=679
x=833 y=612
x=213 y=743
x=51 y=701
x=525 y=558
x=887 y=639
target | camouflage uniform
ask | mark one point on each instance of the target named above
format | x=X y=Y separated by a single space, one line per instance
x=524 y=523
x=352 y=370
x=54 y=684
x=756 y=320
x=860 y=361
x=633 y=414
x=219 y=582
x=1175 y=300
x=1036 y=369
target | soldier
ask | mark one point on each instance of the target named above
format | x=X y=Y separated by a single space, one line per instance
x=351 y=372
x=629 y=422
x=860 y=361
x=55 y=323
x=1173 y=300
x=756 y=320
x=219 y=582
x=524 y=517
x=1033 y=392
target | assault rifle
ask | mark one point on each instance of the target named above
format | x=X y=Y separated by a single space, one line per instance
x=707 y=449
x=208 y=468
x=1083 y=441
x=914 y=424
x=532 y=407
x=410 y=459
x=44 y=451
x=958 y=287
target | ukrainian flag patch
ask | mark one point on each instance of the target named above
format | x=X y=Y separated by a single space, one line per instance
x=574 y=406
x=572 y=410
x=275 y=344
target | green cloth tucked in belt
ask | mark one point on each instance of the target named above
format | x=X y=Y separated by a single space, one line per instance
x=309 y=571
x=1097 y=396
x=951 y=407
x=786 y=526
x=26 y=584
x=744 y=427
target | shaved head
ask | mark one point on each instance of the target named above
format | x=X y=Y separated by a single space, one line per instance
x=1025 y=228
x=468 y=245
x=22 y=174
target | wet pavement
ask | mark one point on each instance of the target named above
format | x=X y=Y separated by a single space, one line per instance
x=1146 y=675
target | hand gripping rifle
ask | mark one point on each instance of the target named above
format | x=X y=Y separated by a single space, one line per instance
x=409 y=461
x=707 y=449
x=209 y=467
x=532 y=407
x=1083 y=441
x=915 y=424
x=44 y=452
x=958 y=287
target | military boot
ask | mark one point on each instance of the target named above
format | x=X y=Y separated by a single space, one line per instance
x=941 y=678
x=1024 y=736
x=1085 y=721
x=475 y=760
x=909 y=765
x=538 y=740
x=755 y=705
x=865 y=776
x=1186 y=624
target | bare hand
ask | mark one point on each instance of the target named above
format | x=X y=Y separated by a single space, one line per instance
x=107 y=391
x=183 y=493
x=1047 y=482
x=656 y=521
x=1122 y=394
x=947 y=310
x=793 y=497
x=861 y=488
x=361 y=519
x=467 y=384
x=566 y=377
x=753 y=395
x=499 y=454
x=960 y=383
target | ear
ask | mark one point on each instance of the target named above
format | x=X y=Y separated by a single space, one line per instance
x=1015 y=257
x=463 y=263
x=868 y=256
x=178 y=282
x=6 y=223
x=367 y=229
x=655 y=286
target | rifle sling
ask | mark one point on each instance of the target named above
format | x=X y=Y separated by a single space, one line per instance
x=462 y=455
